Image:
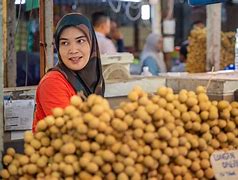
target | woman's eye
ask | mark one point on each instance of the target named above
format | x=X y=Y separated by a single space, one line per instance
x=81 y=40
x=65 y=43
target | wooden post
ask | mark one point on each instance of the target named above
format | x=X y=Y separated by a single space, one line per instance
x=1 y=83
x=213 y=36
x=9 y=57
x=156 y=16
x=46 y=36
x=49 y=34
x=4 y=39
x=42 y=38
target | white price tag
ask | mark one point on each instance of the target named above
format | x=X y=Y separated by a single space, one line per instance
x=225 y=164
x=18 y=114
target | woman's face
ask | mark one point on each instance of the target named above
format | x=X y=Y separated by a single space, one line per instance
x=160 y=45
x=74 y=48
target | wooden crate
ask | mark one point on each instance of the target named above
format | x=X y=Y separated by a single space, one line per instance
x=220 y=85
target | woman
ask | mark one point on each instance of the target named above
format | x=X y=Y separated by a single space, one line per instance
x=151 y=55
x=79 y=68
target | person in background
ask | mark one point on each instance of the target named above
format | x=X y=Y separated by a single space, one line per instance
x=116 y=36
x=152 y=56
x=182 y=58
x=101 y=23
x=198 y=24
x=79 y=69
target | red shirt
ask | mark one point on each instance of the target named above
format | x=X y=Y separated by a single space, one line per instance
x=53 y=91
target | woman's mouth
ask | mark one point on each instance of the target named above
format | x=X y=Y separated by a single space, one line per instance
x=75 y=60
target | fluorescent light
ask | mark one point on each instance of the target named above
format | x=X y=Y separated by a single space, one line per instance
x=145 y=12
x=20 y=1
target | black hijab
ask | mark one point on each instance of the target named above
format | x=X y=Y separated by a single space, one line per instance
x=88 y=80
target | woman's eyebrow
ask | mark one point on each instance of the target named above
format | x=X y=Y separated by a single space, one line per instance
x=63 y=39
x=80 y=37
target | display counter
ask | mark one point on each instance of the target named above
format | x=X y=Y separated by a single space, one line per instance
x=220 y=86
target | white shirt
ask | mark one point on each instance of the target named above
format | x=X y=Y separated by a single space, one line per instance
x=106 y=45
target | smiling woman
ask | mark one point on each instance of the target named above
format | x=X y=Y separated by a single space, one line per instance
x=79 y=69
x=74 y=48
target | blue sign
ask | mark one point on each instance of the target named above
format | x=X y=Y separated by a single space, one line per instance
x=204 y=2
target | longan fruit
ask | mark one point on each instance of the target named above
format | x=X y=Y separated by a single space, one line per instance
x=204 y=155
x=108 y=156
x=32 y=169
x=149 y=162
x=130 y=170
x=4 y=174
x=162 y=103
x=230 y=126
x=168 y=151
x=164 y=159
x=204 y=127
x=200 y=174
x=29 y=150
x=28 y=137
x=182 y=97
x=188 y=176
x=68 y=170
x=50 y=120
x=209 y=173
x=173 y=142
x=162 y=91
x=191 y=102
x=234 y=112
x=176 y=170
x=106 y=168
x=222 y=137
x=41 y=162
x=41 y=125
x=118 y=167
x=202 y=97
x=182 y=150
x=133 y=96
x=57 y=112
x=97 y=110
x=169 y=176
x=192 y=155
x=205 y=163
x=230 y=136
x=195 y=166
x=7 y=159
x=148 y=137
x=200 y=89
x=204 y=115
x=24 y=160
x=223 y=104
x=68 y=148
x=92 y=167
x=85 y=175
x=185 y=117
x=215 y=143
x=76 y=100
x=156 y=154
x=196 y=109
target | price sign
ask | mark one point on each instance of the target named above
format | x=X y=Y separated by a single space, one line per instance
x=225 y=164
x=18 y=114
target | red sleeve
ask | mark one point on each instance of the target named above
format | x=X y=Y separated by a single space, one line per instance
x=54 y=92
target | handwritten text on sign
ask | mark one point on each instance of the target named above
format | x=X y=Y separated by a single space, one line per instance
x=225 y=164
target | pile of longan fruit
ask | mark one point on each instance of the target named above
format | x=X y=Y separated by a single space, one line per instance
x=196 y=58
x=150 y=136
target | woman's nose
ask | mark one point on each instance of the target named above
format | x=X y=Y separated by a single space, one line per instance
x=73 y=48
